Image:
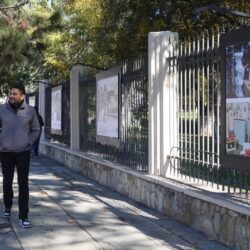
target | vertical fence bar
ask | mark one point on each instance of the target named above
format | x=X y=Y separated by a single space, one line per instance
x=193 y=108
x=203 y=104
x=174 y=52
x=198 y=103
x=126 y=105
x=189 y=111
x=181 y=102
x=240 y=183
x=213 y=103
x=178 y=109
x=185 y=110
x=247 y=187
x=217 y=102
x=208 y=105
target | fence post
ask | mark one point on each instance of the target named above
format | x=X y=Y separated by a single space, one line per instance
x=163 y=101
x=42 y=101
x=74 y=107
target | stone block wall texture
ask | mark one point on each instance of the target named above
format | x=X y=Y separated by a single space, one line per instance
x=218 y=221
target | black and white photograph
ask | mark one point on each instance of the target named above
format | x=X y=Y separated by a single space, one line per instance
x=238 y=70
x=32 y=101
x=56 y=109
x=107 y=107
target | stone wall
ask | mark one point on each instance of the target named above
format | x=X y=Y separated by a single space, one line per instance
x=216 y=215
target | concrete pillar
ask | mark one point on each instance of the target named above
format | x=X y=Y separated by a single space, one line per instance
x=74 y=107
x=163 y=101
x=42 y=100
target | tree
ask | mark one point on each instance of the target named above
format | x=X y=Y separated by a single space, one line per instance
x=24 y=32
x=13 y=42
x=41 y=41
x=45 y=30
x=126 y=24
x=104 y=32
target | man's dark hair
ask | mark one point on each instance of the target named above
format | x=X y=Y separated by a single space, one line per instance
x=20 y=87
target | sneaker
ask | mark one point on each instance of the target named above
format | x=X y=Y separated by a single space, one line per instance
x=24 y=223
x=6 y=213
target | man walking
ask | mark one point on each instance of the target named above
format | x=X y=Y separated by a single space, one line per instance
x=20 y=128
x=35 y=146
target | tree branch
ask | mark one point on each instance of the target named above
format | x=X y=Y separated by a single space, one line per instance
x=16 y=6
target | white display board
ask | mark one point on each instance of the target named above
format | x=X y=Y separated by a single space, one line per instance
x=32 y=101
x=56 y=110
x=107 y=107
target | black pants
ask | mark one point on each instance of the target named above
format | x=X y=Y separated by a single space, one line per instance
x=35 y=146
x=22 y=162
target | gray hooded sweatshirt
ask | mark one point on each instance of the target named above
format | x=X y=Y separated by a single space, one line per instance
x=19 y=129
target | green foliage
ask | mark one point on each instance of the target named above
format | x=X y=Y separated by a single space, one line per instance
x=24 y=41
x=104 y=32
x=44 y=41
x=45 y=25
x=13 y=51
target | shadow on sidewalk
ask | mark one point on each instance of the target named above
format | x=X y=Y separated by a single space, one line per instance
x=69 y=211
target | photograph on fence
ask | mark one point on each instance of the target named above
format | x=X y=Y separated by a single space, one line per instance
x=235 y=68
x=56 y=110
x=32 y=101
x=237 y=99
x=238 y=127
x=107 y=107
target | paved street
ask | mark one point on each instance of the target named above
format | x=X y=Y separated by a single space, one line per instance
x=69 y=211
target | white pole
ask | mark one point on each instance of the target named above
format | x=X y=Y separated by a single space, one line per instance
x=163 y=101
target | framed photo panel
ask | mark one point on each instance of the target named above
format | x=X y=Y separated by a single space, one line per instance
x=108 y=107
x=32 y=101
x=56 y=110
x=235 y=89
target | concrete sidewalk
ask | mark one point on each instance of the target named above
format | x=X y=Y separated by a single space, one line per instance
x=69 y=211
